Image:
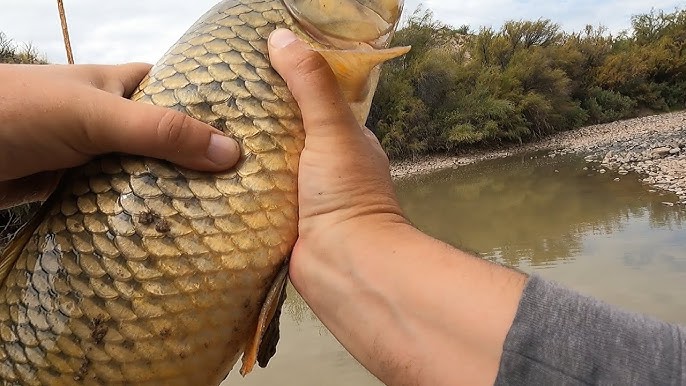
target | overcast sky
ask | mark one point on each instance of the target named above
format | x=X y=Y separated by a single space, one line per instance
x=142 y=30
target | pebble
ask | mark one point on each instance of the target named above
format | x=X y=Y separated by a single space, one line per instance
x=661 y=151
x=650 y=147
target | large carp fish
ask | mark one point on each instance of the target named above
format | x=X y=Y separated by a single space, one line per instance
x=140 y=272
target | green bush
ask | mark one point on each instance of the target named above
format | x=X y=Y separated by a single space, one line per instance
x=607 y=106
x=525 y=81
x=11 y=53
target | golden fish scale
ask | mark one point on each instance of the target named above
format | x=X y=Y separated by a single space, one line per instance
x=147 y=273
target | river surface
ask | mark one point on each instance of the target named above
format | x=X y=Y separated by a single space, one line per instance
x=614 y=240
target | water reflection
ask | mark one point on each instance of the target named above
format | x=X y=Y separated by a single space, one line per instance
x=614 y=240
x=610 y=239
x=298 y=311
x=307 y=354
x=536 y=209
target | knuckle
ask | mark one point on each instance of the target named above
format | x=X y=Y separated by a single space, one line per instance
x=312 y=65
x=98 y=75
x=113 y=87
x=172 y=127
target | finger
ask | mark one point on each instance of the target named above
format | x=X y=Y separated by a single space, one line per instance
x=115 y=124
x=312 y=83
x=127 y=78
x=376 y=146
x=116 y=79
x=120 y=79
x=373 y=139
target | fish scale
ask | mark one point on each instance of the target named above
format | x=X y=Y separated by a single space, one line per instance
x=147 y=273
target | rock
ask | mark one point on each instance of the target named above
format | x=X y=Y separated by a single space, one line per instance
x=668 y=203
x=676 y=150
x=602 y=171
x=660 y=151
x=617 y=180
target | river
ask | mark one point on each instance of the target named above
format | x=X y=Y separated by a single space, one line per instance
x=612 y=239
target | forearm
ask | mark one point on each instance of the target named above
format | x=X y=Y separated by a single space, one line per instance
x=434 y=315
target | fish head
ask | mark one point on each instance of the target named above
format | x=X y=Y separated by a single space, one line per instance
x=346 y=23
x=357 y=34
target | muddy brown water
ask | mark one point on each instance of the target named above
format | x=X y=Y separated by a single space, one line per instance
x=614 y=240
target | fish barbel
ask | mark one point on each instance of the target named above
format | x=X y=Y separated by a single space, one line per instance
x=137 y=271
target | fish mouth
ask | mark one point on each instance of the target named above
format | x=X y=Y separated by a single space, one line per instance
x=345 y=24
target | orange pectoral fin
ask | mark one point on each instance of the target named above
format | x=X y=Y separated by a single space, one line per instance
x=353 y=68
x=262 y=347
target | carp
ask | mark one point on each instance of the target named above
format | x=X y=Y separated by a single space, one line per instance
x=137 y=271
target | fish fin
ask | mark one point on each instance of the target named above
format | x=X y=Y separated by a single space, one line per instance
x=354 y=67
x=271 y=336
x=262 y=347
x=12 y=251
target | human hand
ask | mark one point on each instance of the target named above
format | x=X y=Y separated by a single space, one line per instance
x=344 y=180
x=56 y=117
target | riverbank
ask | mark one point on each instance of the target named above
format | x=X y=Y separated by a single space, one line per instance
x=654 y=147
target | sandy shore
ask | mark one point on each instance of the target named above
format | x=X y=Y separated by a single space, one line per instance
x=652 y=146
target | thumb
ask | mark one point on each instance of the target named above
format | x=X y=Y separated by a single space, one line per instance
x=116 y=124
x=313 y=85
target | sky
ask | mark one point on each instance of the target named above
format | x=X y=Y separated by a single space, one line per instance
x=141 y=30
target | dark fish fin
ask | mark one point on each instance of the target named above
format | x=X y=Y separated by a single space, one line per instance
x=262 y=347
x=12 y=251
x=271 y=336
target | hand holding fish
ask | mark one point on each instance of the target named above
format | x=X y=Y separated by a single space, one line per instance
x=344 y=173
x=182 y=273
x=411 y=309
x=137 y=271
x=56 y=117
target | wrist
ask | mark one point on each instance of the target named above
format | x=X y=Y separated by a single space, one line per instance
x=328 y=234
x=328 y=251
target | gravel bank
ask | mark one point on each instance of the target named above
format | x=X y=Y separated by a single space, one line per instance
x=654 y=147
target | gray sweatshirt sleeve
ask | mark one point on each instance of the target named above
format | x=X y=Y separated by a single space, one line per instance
x=562 y=338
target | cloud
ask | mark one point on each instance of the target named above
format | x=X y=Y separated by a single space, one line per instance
x=102 y=32
x=572 y=15
x=142 y=30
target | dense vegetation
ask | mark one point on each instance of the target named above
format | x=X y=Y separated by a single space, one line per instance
x=12 y=53
x=529 y=79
